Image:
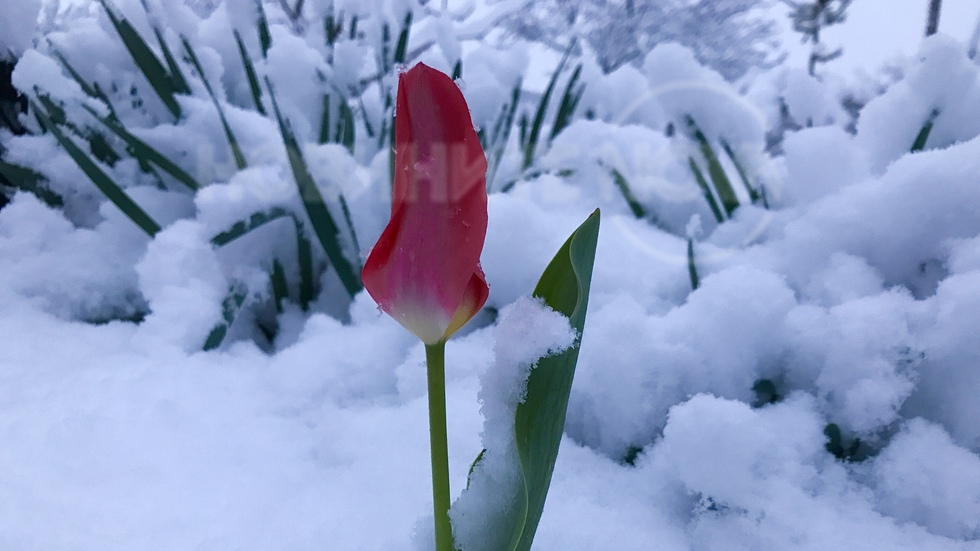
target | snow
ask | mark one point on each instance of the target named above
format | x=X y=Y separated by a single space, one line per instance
x=17 y=27
x=698 y=418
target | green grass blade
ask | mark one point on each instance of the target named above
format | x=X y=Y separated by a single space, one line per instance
x=540 y=419
x=98 y=145
x=304 y=258
x=458 y=70
x=387 y=122
x=345 y=126
x=703 y=184
x=367 y=124
x=230 y=307
x=324 y=226
x=243 y=227
x=569 y=101
x=27 y=180
x=501 y=133
x=304 y=252
x=401 y=47
x=692 y=268
x=236 y=150
x=753 y=193
x=145 y=153
x=385 y=48
x=265 y=37
x=531 y=142
x=253 y=79
x=280 y=287
x=103 y=181
x=146 y=61
x=353 y=27
x=332 y=26
x=89 y=90
x=726 y=193
x=624 y=188
x=177 y=76
x=349 y=221
x=923 y=136
x=325 y=121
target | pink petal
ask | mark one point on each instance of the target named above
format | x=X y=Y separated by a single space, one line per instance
x=420 y=270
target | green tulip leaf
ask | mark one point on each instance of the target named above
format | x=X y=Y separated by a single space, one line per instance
x=540 y=419
x=511 y=520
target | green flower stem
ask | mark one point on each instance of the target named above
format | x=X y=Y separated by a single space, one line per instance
x=435 y=359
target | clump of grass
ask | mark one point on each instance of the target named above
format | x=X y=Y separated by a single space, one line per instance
x=326 y=229
x=719 y=193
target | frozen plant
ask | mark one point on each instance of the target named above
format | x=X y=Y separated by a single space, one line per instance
x=809 y=18
x=730 y=37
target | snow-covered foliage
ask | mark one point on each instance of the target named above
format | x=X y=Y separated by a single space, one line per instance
x=795 y=367
x=731 y=37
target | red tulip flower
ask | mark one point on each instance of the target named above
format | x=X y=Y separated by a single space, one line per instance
x=425 y=269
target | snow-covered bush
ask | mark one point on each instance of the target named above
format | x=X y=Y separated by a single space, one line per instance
x=732 y=37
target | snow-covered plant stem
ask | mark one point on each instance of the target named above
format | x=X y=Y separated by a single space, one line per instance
x=435 y=361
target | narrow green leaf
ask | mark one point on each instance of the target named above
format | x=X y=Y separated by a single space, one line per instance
x=325 y=120
x=501 y=133
x=176 y=75
x=540 y=420
x=25 y=179
x=145 y=153
x=236 y=150
x=692 y=269
x=327 y=231
x=532 y=139
x=753 y=193
x=569 y=101
x=353 y=27
x=401 y=48
x=243 y=227
x=146 y=61
x=368 y=128
x=332 y=27
x=304 y=258
x=230 y=307
x=385 y=48
x=280 y=287
x=349 y=221
x=92 y=91
x=458 y=70
x=703 y=184
x=265 y=37
x=923 y=136
x=345 y=126
x=103 y=181
x=726 y=193
x=253 y=79
x=624 y=188
x=98 y=145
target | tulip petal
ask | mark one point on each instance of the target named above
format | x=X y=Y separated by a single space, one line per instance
x=420 y=270
x=473 y=299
